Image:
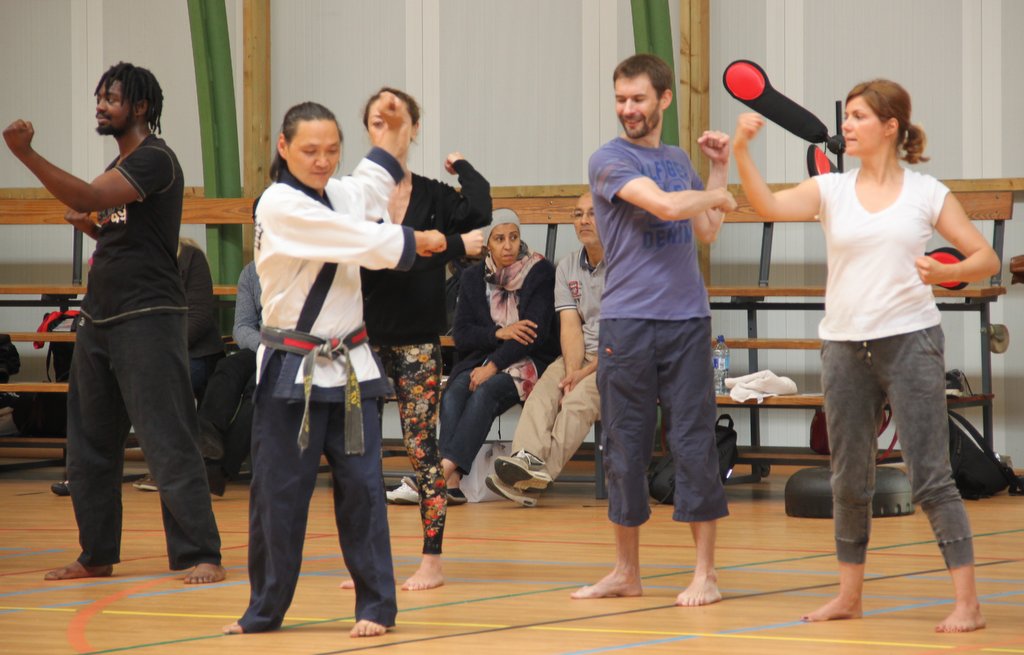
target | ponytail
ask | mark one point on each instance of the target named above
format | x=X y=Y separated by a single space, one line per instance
x=914 y=144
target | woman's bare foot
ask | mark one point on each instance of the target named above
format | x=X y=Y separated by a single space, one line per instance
x=702 y=591
x=962 y=619
x=836 y=609
x=233 y=629
x=76 y=570
x=366 y=628
x=205 y=573
x=612 y=585
x=428 y=576
x=347 y=584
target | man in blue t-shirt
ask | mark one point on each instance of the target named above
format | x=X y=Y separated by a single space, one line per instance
x=655 y=339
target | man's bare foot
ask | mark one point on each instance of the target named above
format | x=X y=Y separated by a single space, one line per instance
x=366 y=628
x=702 y=591
x=836 y=609
x=233 y=629
x=428 y=576
x=612 y=585
x=962 y=619
x=76 y=570
x=205 y=573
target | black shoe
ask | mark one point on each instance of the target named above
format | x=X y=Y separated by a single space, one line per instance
x=215 y=477
x=957 y=385
x=62 y=488
x=211 y=441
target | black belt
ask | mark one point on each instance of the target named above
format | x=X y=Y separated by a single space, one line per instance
x=311 y=347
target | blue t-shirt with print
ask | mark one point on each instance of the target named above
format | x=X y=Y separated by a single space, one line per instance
x=652 y=269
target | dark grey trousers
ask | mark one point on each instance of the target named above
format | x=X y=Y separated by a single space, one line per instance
x=643 y=363
x=135 y=373
x=857 y=377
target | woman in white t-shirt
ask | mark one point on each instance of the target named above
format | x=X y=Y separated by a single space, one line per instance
x=881 y=336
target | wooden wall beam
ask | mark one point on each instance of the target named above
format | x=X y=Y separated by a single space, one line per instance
x=694 y=102
x=256 y=125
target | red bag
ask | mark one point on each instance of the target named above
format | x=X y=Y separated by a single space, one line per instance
x=819 y=433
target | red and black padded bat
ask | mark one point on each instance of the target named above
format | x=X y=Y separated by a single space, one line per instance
x=948 y=256
x=818 y=162
x=748 y=83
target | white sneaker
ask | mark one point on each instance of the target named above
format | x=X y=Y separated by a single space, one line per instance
x=146 y=484
x=515 y=494
x=522 y=470
x=404 y=494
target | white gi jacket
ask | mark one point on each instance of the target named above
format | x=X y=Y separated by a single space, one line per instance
x=296 y=235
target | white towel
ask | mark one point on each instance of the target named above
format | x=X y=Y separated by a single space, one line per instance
x=759 y=385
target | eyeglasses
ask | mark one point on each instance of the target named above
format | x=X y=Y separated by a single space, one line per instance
x=578 y=213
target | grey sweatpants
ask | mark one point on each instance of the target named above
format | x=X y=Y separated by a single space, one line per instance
x=857 y=377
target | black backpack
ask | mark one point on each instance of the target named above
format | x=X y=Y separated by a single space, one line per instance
x=977 y=471
x=661 y=475
x=10 y=361
x=59 y=354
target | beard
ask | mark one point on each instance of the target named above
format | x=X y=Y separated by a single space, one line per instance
x=110 y=130
x=646 y=127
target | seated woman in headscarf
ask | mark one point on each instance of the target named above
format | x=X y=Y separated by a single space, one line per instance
x=505 y=336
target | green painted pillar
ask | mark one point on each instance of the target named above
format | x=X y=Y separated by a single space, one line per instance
x=218 y=131
x=652 y=33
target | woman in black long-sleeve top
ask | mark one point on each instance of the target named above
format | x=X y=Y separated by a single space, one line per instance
x=405 y=316
x=505 y=336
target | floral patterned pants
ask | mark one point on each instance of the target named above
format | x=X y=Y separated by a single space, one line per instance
x=416 y=371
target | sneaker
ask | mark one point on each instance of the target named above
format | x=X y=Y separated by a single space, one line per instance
x=495 y=484
x=522 y=470
x=405 y=493
x=456 y=497
x=62 y=488
x=146 y=484
x=957 y=384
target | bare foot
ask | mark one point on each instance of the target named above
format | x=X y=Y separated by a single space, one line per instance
x=347 y=584
x=205 y=573
x=702 y=591
x=76 y=570
x=233 y=629
x=612 y=585
x=962 y=619
x=428 y=576
x=836 y=609
x=366 y=628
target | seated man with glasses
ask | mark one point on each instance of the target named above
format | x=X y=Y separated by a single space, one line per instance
x=564 y=405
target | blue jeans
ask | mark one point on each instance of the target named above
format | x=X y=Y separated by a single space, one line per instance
x=857 y=377
x=466 y=416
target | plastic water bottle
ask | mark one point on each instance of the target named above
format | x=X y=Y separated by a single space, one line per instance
x=720 y=363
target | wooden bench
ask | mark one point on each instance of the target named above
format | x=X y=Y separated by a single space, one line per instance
x=995 y=206
x=551 y=208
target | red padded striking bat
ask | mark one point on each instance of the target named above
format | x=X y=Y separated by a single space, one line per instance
x=748 y=83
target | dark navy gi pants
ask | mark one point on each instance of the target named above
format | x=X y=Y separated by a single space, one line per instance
x=135 y=373
x=282 y=485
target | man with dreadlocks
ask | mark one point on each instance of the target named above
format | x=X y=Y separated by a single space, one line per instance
x=130 y=366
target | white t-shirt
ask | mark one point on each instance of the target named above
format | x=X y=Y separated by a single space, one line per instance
x=873 y=289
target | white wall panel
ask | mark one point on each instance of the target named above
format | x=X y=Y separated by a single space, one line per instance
x=337 y=53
